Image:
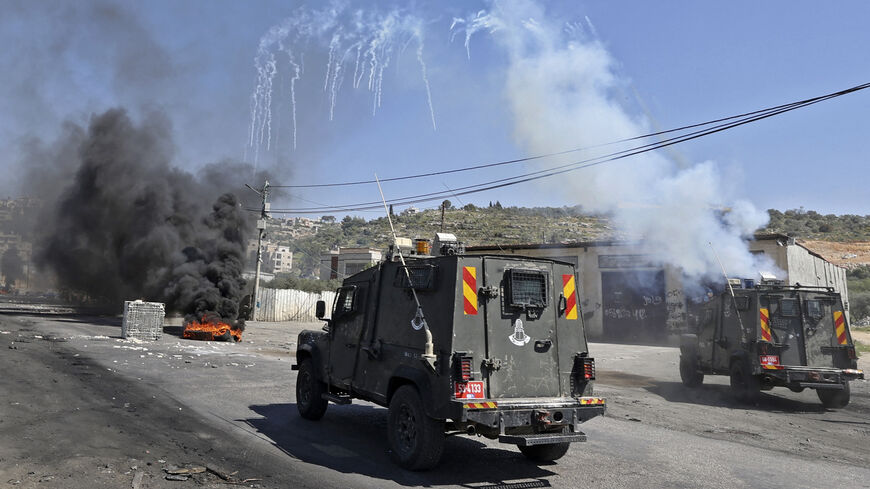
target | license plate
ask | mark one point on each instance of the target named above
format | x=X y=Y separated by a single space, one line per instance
x=469 y=390
x=769 y=359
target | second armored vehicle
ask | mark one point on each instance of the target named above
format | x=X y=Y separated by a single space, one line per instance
x=771 y=335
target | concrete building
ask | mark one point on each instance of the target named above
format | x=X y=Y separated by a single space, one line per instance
x=347 y=261
x=626 y=296
x=282 y=259
x=277 y=258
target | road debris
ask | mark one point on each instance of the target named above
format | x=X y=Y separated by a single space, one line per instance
x=137 y=480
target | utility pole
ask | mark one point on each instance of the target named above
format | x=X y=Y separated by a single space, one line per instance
x=261 y=230
x=442 y=217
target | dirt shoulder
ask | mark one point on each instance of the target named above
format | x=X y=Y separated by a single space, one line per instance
x=67 y=421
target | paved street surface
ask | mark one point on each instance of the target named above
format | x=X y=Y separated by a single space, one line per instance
x=83 y=408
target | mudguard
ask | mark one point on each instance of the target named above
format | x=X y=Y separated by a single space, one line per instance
x=688 y=343
x=307 y=345
x=407 y=375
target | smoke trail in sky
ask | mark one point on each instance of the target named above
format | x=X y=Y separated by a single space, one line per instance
x=563 y=90
x=366 y=40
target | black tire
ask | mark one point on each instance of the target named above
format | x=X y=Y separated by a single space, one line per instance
x=744 y=385
x=416 y=440
x=308 y=392
x=545 y=453
x=689 y=373
x=835 y=399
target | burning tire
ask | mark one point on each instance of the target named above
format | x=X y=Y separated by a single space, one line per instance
x=689 y=373
x=835 y=399
x=308 y=392
x=744 y=385
x=545 y=453
x=416 y=440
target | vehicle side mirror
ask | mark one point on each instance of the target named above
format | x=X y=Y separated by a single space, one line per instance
x=320 y=309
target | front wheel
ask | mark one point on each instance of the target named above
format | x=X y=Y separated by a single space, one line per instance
x=545 y=453
x=835 y=399
x=416 y=440
x=745 y=386
x=309 y=390
x=689 y=371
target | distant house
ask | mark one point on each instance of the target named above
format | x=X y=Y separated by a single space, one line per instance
x=276 y=258
x=347 y=261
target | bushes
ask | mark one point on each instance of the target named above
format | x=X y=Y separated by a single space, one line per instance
x=286 y=281
x=858 y=281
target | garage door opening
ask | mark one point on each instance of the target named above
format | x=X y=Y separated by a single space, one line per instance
x=634 y=307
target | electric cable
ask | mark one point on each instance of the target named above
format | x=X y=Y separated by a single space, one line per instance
x=736 y=121
x=800 y=103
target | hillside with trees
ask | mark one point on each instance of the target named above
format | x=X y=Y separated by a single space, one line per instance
x=471 y=224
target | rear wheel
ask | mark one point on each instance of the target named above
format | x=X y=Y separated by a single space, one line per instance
x=308 y=392
x=835 y=399
x=545 y=453
x=416 y=440
x=744 y=385
x=689 y=371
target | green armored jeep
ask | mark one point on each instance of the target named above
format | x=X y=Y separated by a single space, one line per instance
x=770 y=335
x=501 y=353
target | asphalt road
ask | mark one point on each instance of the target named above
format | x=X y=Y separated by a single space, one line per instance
x=83 y=408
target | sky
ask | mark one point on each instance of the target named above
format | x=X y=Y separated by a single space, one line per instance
x=535 y=78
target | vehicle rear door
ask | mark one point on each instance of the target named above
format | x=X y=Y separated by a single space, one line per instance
x=821 y=313
x=786 y=331
x=521 y=328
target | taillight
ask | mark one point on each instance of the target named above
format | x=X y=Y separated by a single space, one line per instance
x=850 y=351
x=464 y=368
x=588 y=368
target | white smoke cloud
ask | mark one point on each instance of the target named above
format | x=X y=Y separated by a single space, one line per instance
x=563 y=89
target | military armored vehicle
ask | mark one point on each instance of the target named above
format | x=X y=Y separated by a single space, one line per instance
x=507 y=360
x=770 y=334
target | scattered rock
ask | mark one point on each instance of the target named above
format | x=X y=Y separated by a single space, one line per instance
x=179 y=477
x=137 y=480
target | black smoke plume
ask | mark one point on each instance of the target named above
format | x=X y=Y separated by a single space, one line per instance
x=12 y=266
x=128 y=224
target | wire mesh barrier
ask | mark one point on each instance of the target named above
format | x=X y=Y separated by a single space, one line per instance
x=143 y=320
x=289 y=304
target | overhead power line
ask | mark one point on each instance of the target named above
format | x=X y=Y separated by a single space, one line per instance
x=717 y=125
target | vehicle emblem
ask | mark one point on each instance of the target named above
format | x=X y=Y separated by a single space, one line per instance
x=519 y=337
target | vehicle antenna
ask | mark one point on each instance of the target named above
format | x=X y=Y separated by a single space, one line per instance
x=730 y=289
x=419 y=320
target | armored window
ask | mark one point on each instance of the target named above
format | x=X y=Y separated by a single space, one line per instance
x=742 y=303
x=344 y=301
x=527 y=288
x=789 y=308
x=422 y=277
x=708 y=315
x=814 y=309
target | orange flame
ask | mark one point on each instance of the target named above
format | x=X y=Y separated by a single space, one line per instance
x=210 y=330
